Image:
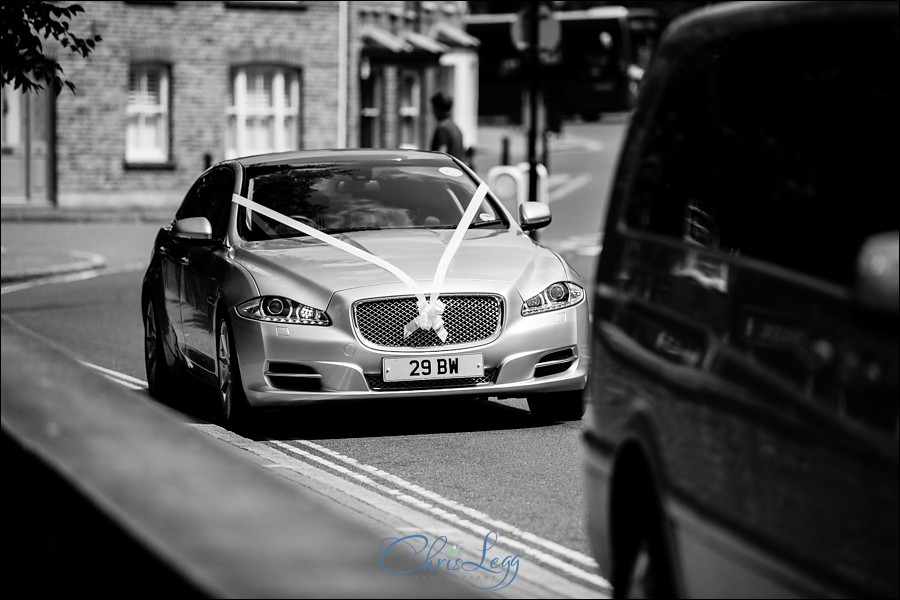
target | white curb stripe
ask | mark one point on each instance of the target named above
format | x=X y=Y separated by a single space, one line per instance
x=471 y=512
x=454 y=518
x=117 y=376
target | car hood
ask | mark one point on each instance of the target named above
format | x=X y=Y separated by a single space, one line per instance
x=311 y=271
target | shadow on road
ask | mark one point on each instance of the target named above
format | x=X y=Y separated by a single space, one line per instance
x=362 y=419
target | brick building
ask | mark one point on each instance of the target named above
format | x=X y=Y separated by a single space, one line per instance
x=174 y=86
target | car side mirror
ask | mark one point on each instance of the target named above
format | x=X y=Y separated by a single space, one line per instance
x=878 y=273
x=195 y=229
x=534 y=215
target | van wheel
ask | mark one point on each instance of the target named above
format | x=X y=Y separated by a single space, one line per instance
x=558 y=406
x=235 y=412
x=641 y=566
x=644 y=579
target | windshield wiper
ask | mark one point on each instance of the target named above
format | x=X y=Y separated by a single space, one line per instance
x=350 y=229
x=473 y=225
x=439 y=226
x=485 y=223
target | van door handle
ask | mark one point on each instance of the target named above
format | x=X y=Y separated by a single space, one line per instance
x=185 y=260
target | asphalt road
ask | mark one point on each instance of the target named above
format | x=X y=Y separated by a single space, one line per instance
x=490 y=457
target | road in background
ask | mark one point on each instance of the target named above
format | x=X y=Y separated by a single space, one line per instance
x=581 y=165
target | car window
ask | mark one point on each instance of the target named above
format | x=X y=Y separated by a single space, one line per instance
x=346 y=197
x=210 y=197
x=760 y=148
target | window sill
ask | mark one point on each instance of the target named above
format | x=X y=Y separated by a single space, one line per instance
x=266 y=4
x=149 y=166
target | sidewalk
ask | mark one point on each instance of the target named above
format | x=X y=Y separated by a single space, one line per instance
x=34 y=255
x=33 y=264
x=35 y=248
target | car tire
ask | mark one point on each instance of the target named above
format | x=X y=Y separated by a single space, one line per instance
x=234 y=410
x=162 y=380
x=558 y=406
x=642 y=570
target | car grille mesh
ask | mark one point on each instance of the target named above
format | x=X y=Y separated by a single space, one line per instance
x=378 y=384
x=467 y=319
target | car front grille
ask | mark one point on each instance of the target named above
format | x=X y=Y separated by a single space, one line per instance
x=467 y=318
x=378 y=384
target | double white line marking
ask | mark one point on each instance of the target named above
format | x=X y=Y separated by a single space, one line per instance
x=551 y=554
x=459 y=515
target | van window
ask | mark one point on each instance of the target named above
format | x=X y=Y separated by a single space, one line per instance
x=761 y=148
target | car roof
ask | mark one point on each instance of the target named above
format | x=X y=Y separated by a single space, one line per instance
x=722 y=19
x=300 y=157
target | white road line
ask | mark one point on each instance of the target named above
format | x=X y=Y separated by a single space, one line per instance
x=130 y=386
x=572 y=143
x=455 y=519
x=80 y=276
x=90 y=256
x=117 y=376
x=575 y=183
x=437 y=498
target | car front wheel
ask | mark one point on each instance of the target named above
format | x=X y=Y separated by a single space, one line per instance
x=557 y=406
x=234 y=410
x=162 y=380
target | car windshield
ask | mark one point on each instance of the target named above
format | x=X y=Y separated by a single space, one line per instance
x=342 y=197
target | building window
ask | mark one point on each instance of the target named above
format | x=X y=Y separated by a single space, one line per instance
x=372 y=117
x=147 y=130
x=11 y=119
x=263 y=111
x=409 y=109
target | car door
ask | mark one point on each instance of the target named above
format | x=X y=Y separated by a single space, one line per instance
x=200 y=279
x=174 y=254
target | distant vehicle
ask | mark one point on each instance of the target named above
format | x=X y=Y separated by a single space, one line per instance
x=742 y=435
x=274 y=285
x=596 y=68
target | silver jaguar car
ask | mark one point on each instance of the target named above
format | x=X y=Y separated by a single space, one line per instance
x=313 y=276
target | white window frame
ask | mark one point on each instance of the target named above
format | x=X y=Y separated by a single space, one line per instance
x=283 y=79
x=136 y=150
x=409 y=114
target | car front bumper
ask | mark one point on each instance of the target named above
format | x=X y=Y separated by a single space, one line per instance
x=337 y=361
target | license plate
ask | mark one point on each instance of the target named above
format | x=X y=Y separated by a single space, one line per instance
x=433 y=367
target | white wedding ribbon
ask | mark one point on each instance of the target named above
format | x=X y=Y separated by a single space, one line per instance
x=430 y=312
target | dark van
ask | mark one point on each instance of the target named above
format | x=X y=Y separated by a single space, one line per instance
x=742 y=436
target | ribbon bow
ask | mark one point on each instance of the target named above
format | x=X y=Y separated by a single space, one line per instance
x=429 y=318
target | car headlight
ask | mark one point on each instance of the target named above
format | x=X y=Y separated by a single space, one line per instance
x=561 y=294
x=276 y=309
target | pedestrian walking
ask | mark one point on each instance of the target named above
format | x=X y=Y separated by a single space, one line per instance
x=447 y=136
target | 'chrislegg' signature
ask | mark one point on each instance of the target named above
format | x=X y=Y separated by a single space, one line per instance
x=417 y=545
